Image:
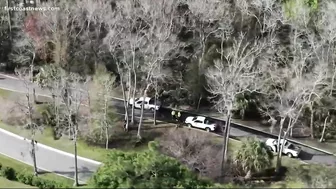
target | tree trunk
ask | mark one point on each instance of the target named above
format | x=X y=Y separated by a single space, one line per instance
x=134 y=91
x=273 y=123
x=324 y=128
x=33 y=154
x=34 y=96
x=311 y=121
x=226 y=135
x=135 y=84
x=141 y=114
x=105 y=120
x=107 y=138
x=124 y=96
x=248 y=175
x=199 y=102
x=278 y=162
x=129 y=86
x=32 y=129
x=76 y=161
x=155 y=103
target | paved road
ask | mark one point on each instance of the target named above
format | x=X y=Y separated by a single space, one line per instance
x=308 y=155
x=47 y=159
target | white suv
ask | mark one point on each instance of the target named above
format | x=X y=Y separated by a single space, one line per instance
x=200 y=122
x=148 y=103
x=289 y=149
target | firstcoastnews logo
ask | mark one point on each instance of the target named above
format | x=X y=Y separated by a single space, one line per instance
x=21 y=8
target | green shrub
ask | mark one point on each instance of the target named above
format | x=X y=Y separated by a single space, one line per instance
x=28 y=178
x=37 y=182
x=25 y=177
x=8 y=172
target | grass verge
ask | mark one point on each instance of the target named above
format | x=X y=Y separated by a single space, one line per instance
x=6 y=161
x=85 y=150
x=4 y=183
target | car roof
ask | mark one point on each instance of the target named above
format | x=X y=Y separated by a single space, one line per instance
x=201 y=118
x=281 y=140
x=146 y=98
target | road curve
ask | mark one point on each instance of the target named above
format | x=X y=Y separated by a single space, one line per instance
x=48 y=159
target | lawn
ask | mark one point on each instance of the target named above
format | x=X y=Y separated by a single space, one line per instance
x=6 y=161
x=4 y=183
x=123 y=141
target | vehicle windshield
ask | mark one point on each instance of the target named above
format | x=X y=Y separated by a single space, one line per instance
x=291 y=146
x=207 y=121
x=152 y=101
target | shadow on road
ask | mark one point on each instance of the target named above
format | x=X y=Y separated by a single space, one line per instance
x=82 y=171
x=306 y=156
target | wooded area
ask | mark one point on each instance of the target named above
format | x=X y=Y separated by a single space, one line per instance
x=267 y=60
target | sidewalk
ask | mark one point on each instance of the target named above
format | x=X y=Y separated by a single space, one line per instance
x=329 y=147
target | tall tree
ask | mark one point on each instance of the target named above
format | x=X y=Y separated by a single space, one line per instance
x=30 y=112
x=73 y=98
x=235 y=73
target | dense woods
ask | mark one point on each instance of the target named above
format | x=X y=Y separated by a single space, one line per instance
x=267 y=60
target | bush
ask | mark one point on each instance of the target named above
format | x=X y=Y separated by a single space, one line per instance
x=9 y=173
x=28 y=178
x=25 y=177
x=146 y=169
x=312 y=176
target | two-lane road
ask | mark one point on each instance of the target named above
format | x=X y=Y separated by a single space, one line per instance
x=63 y=164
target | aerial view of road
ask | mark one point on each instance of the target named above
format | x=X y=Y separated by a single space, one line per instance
x=308 y=155
x=48 y=159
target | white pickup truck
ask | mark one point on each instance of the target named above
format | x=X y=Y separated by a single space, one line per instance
x=148 y=103
x=289 y=149
x=200 y=122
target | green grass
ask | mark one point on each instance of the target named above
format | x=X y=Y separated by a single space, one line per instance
x=5 y=93
x=6 y=161
x=4 y=183
x=84 y=150
x=63 y=144
x=286 y=184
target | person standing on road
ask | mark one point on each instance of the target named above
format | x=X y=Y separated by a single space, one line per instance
x=178 y=116
x=173 y=115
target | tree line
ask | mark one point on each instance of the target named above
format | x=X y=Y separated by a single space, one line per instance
x=272 y=57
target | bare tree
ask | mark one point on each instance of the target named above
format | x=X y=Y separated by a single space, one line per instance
x=50 y=77
x=113 y=41
x=236 y=73
x=159 y=40
x=30 y=112
x=104 y=115
x=133 y=40
x=72 y=98
x=294 y=87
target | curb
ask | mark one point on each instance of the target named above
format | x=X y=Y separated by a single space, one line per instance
x=8 y=76
x=233 y=124
x=50 y=148
x=41 y=168
x=237 y=140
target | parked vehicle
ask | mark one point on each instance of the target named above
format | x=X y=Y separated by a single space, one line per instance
x=201 y=122
x=289 y=149
x=149 y=103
